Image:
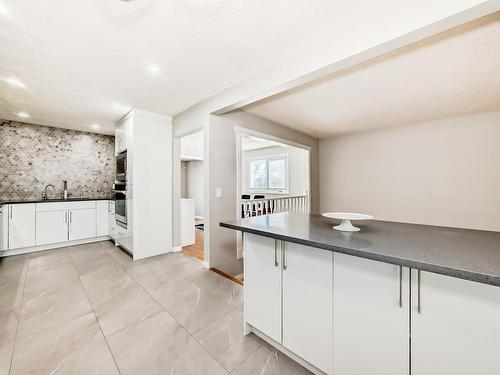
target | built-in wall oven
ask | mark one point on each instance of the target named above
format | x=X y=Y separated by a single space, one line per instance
x=120 y=206
x=120 y=189
x=121 y=166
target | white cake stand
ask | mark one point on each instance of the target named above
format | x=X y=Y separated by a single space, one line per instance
x=346 y=217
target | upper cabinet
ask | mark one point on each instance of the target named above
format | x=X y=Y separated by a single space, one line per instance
x=122 y=134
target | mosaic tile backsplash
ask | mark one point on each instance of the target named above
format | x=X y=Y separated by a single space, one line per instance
x=32 y=156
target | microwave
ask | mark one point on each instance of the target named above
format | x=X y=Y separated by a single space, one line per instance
x=121 y=166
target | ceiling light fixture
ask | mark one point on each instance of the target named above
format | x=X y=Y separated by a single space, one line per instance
x=4 y=11
x=14 y=82
x=23 y=114
x=153 y=68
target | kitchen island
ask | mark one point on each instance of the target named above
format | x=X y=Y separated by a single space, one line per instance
x=393 y=298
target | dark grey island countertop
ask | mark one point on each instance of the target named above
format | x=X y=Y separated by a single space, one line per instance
x=20 y=201
x=464 y=253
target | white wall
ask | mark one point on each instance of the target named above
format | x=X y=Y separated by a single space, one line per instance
x=443 y=172
x=151 y=147
x=194 y=185
x=222 y=173
x=298 y=167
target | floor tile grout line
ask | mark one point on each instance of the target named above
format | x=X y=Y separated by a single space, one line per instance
x=203 y=346
x=18 y=317
x=95 y=317
x=165 y=310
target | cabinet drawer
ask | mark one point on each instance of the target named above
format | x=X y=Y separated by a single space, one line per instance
x=62 y=206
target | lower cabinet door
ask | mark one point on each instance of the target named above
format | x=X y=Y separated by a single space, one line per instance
x=21 y=225
x=263 y=285
x=371 y=326
x=308 y=304
x=82 y=224
x=457 y=331
x=51 y=227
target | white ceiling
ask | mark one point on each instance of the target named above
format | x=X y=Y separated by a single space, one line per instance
x=89 y=62
x=452 y=74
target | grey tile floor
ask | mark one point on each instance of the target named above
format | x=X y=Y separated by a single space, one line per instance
x=90 y=310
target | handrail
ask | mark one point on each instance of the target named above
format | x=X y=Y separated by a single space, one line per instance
x=263 y=206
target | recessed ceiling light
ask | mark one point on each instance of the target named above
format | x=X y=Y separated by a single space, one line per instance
x=4 y=11
x=153 y=68
x=23 y=114
x=95 y=126
x=14 y=82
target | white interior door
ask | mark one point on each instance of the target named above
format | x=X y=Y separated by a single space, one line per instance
x=457 y=331
x=82 y=224
x=21 y=225
x=308 y=304
x=263 y=285
x=371 y=329
x=51 y=227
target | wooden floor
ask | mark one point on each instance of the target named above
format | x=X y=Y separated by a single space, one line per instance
x=196 y=250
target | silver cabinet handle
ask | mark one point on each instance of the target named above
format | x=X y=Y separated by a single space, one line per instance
x=70 y=217
x=66 y=217
x=276 y=264
x=10 y=207
x=419 y=296
x=284 y=256
x=400 y=286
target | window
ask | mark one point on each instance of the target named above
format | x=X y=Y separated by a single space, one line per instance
x=269 y=174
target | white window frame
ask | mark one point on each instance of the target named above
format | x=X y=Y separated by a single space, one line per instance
x=269 y=190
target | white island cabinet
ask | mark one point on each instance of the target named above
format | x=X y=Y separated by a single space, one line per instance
x=288 y=298
x=263 y=285
x=455 y=326
x=370 y=317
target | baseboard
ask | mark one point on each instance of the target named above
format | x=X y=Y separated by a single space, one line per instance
x=226 y=275
x=33 y=249
x=287 y=352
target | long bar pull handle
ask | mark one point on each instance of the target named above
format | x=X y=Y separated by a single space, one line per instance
x=400 y=286
x=284 y=256
x=419 y=287
x=70 y=217
x=66 y=217
x=11 y=212
x=276 y=264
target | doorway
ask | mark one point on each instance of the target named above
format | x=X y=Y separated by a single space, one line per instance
x=192 y=216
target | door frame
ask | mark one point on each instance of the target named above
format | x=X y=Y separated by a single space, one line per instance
x=240 y=132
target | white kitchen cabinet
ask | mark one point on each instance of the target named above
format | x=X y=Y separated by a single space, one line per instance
x=457 y=331
x=370 y=317
x=121 y=134
x=263 y=285
x=102 y=218
x=21 y=223
x=308 y=303
x=111 y=220
x=82 y=224
x=51 y=227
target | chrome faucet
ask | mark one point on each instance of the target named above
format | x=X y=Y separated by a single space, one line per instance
x=44 y=196
x=65 y=192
